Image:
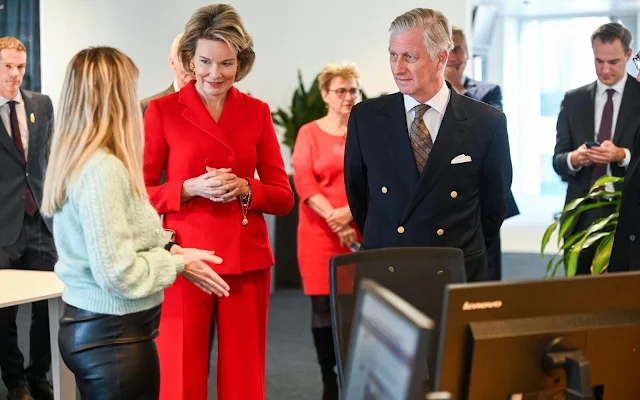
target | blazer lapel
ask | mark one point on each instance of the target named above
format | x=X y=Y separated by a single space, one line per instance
x=589 y=112
x=629 y=105
x=7 y=142
x=447 y=145
x=33 y=124
x=196 y=113
x=234 y=111
x=396 y=139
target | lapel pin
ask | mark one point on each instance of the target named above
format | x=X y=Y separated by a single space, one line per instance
x=32 y=118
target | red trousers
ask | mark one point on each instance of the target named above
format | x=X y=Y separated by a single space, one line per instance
x=241 y=325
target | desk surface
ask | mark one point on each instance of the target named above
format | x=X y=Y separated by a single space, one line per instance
x=20 y=287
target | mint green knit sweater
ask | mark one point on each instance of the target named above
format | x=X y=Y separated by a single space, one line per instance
x=110 y=243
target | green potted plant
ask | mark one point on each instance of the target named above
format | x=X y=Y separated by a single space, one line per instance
x=602 y=230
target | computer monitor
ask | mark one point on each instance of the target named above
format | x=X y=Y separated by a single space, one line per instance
x=387 y=355
x=573 y=338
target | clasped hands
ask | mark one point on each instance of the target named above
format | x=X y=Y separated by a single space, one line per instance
x=339 y=220
x=606 y=153
x=199 y=273
x=219 y=185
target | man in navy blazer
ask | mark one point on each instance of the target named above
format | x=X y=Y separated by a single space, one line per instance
x=488 y=93
x=26 y=242
x=427 y=166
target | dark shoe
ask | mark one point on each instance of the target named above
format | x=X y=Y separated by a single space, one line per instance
x=19 y=393
x=41 y=389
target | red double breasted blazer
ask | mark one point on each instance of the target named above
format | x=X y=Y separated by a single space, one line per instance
x=182 y=137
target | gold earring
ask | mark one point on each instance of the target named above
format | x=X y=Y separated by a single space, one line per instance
x=192 y=67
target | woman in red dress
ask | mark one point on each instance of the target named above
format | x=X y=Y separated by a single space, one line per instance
x=211 y=139
x=325 y=227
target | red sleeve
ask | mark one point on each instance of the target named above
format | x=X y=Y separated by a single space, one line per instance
x=166 y=197
x=302 y=161
x=271 y=194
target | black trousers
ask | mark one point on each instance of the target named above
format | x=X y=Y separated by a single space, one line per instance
x=34 y=250
x=323 y=342
x=113 y=357
x=494 y=259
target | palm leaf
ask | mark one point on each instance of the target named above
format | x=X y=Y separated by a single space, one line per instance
x=547 y=236
x=568 y=222
x=555 y=267
x=571 y=266
x=604 y=180
x=601 y=231
x=603 y=254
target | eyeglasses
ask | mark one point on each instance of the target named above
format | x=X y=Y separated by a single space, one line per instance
x=342 y=92
x=636 y=61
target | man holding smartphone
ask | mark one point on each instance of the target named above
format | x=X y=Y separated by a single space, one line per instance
x=596 y=128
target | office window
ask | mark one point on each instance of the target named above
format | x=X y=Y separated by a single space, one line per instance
x=21 y=19
x=555 y=57
x=479 y=63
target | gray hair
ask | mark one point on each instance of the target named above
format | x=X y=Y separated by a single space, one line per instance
x=437 y=31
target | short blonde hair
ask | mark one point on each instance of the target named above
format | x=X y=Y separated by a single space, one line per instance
x=11 y=43
x=437 y=31
x=173 y=52
x=99 y=109
x=332 y=71
x=218 y=22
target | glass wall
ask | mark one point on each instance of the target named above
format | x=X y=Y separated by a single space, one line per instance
x=543 y=59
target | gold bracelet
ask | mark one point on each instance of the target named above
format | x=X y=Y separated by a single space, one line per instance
x=245 y=201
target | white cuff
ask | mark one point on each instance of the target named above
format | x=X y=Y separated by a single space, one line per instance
x=571 y=168
x=627 y=157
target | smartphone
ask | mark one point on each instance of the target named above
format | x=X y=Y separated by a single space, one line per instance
x=591 y=144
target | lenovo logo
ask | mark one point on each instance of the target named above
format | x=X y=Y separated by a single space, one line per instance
x=482 y=305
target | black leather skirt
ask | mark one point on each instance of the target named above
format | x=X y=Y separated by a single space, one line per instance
x=112 y=357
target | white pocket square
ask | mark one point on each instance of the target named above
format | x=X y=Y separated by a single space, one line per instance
x=461 y=159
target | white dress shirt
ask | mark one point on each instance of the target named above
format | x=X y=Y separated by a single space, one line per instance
x=434 y=115
x=600 y=101
x=22 y=119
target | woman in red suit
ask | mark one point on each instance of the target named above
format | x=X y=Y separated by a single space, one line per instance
x=325 y=226
x=211 y=139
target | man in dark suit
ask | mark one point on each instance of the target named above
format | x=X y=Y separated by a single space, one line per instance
x=181 y=76
x=605 y=112
x=488 y=93
x=426 y=166
x=625 y=254
x=26 y=123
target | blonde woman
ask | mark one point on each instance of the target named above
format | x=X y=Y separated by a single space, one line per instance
x=325 y=227
x=114 y=258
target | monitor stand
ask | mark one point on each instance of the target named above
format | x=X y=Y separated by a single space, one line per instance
x=563 y=353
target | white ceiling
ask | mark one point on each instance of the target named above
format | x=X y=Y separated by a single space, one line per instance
x=562 y=7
